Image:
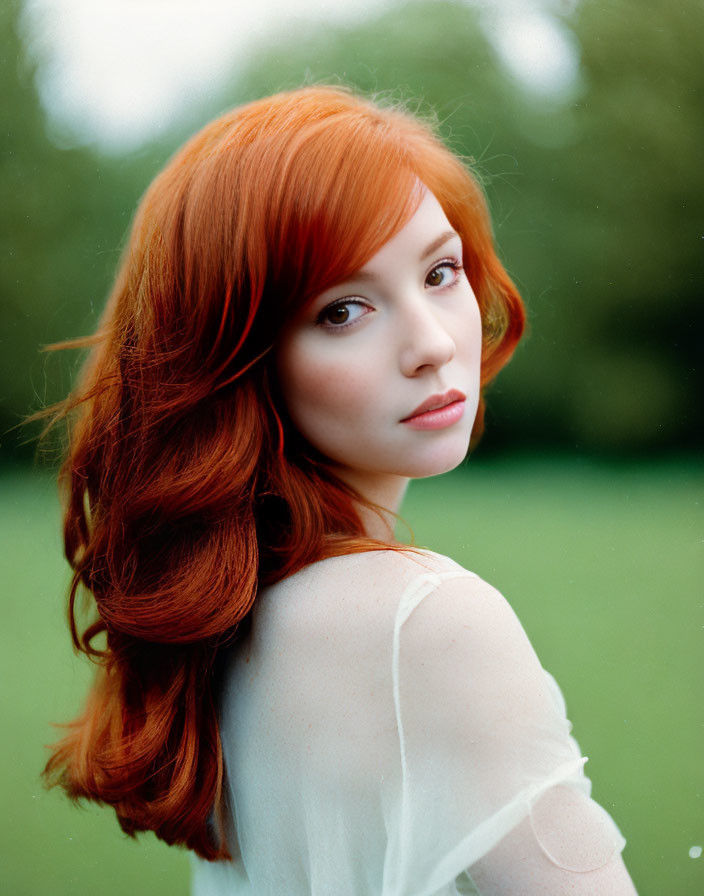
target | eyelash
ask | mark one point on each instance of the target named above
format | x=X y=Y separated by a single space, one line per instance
x=452 y=263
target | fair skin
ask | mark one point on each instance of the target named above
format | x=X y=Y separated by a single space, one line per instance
x=360 y=361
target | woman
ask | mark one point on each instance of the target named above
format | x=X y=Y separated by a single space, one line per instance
x=305 y=316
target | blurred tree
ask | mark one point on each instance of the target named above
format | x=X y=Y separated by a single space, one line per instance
x=63 y=216
x=620 y=205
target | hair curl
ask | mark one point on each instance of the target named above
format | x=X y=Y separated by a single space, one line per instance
x=185 y=486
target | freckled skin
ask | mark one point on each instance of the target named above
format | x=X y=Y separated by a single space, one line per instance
x=350 y=372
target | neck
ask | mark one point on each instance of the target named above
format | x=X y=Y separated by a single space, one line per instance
x=386 y=492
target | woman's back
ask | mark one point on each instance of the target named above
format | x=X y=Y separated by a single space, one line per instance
x=309 y=726
x=351 y=670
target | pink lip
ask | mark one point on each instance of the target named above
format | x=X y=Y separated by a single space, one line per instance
x=438 y=411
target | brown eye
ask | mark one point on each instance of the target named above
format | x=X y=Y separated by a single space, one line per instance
x=435 y=277
x=442 y=274
x=339 y=314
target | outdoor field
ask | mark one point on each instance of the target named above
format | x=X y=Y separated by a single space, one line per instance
x=602 y=563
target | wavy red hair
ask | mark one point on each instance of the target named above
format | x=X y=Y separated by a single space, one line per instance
x=185 y=486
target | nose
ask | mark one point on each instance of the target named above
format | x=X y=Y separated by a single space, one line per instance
x=426 y=341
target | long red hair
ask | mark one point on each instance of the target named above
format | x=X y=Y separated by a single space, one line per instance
x=185 y=486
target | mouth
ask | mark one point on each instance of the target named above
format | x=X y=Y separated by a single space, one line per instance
x=430 y=408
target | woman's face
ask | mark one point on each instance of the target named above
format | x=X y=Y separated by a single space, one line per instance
x=361 y=363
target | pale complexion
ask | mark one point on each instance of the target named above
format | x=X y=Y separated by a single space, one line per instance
x=366 y=354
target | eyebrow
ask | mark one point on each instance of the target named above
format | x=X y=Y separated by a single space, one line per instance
x=440 y=241
x=364 y=277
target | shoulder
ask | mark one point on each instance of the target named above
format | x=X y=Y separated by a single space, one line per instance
x=449 y=600
x=360 y=589
x=435 y=606
x=466 y=668
x=397 y=581
x=405 y=564
x=462 y=632
x=381 y=573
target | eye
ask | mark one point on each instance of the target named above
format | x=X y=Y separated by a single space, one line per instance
x=341 y=314
x=444 y=273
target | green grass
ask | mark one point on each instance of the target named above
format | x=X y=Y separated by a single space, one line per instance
x=603 y=565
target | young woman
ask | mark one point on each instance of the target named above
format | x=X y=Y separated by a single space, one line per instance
x=304 y=319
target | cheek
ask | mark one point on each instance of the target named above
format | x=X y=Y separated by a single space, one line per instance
x=322 y=391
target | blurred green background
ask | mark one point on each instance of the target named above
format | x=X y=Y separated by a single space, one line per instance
x=583 y=501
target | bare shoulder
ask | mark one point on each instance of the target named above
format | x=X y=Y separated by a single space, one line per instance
x=462 y=614
x=383 y=573
x=367 y=585
x=463 y=641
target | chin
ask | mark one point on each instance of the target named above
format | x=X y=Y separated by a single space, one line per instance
x=441 y=462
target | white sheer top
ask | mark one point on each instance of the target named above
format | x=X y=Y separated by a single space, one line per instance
x=389 y=731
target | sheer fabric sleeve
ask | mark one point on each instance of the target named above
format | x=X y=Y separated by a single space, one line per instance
x=486 y=753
